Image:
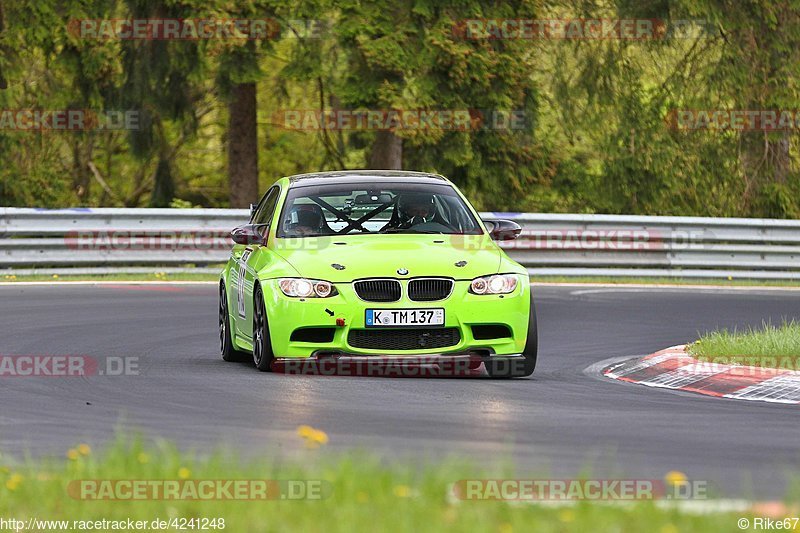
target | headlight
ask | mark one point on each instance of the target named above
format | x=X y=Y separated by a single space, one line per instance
x=497 y=284
x=306 y=288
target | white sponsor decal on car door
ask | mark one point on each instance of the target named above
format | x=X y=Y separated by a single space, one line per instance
x=240 y=281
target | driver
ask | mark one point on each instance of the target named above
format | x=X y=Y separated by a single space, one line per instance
x=309 y=222
x=415 y=208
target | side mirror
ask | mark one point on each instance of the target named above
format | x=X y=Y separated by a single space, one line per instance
x=253 y=208
x=503 y=230
x=248 y=234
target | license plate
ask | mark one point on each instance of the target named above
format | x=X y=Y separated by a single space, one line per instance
x=405 y=317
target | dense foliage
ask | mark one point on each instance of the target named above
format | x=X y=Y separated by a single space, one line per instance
x=600 y=130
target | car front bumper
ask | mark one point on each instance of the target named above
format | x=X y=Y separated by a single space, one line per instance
x=463 y=311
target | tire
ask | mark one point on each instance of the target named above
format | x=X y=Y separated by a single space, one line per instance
x=262 y=345
x=229 y=353
x=519 y=369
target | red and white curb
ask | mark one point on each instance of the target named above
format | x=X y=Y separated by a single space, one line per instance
x=675 y=369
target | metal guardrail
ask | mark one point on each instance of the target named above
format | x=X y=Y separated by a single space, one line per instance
x=111 y=239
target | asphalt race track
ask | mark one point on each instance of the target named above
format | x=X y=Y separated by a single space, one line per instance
x=563 y=421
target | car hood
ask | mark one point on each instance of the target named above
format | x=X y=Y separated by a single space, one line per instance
x=367 y=256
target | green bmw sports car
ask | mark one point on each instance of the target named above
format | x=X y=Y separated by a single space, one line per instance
x=366 y=265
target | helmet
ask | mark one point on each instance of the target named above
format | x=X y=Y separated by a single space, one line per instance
x=308 y=215
x=416 y=205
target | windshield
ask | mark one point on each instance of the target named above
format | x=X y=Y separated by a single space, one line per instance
x=345 y=208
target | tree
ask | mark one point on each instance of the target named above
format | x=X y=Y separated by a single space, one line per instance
x=243 y=145
x=163 y=80
x=236 y=80
x=411 y=55
x=757 y=70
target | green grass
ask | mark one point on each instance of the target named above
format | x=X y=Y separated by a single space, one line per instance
x=365 y=495
x=769 y=346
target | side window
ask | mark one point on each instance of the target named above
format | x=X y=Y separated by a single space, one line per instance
x=267 y=208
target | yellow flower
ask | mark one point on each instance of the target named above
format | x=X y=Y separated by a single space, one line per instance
x=143 y=458
x=84 y=449
x=402 y=491
x=320 y=437
x=72 y=454
x=305 y=431
x=566 y=515
x=362 y=497
x=184 y=472
x=674 y=477
x=313 y=437
x=55 y=276
x=14 y=482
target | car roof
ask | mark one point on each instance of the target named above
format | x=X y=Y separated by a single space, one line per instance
x=365 y=176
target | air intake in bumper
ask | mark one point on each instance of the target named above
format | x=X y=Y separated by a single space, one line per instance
x=403 y=339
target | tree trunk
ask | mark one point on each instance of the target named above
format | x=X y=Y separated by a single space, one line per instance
x=3 y=49
x=765 y=163
x=164 y=188
x=387 y=152
x=243 y=146
x=82 y=178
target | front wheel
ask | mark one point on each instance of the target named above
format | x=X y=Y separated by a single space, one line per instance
x=519 y=368
x=262 y=344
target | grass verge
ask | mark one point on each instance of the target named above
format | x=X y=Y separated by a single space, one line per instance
x=768 y=346
x=361 y=495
